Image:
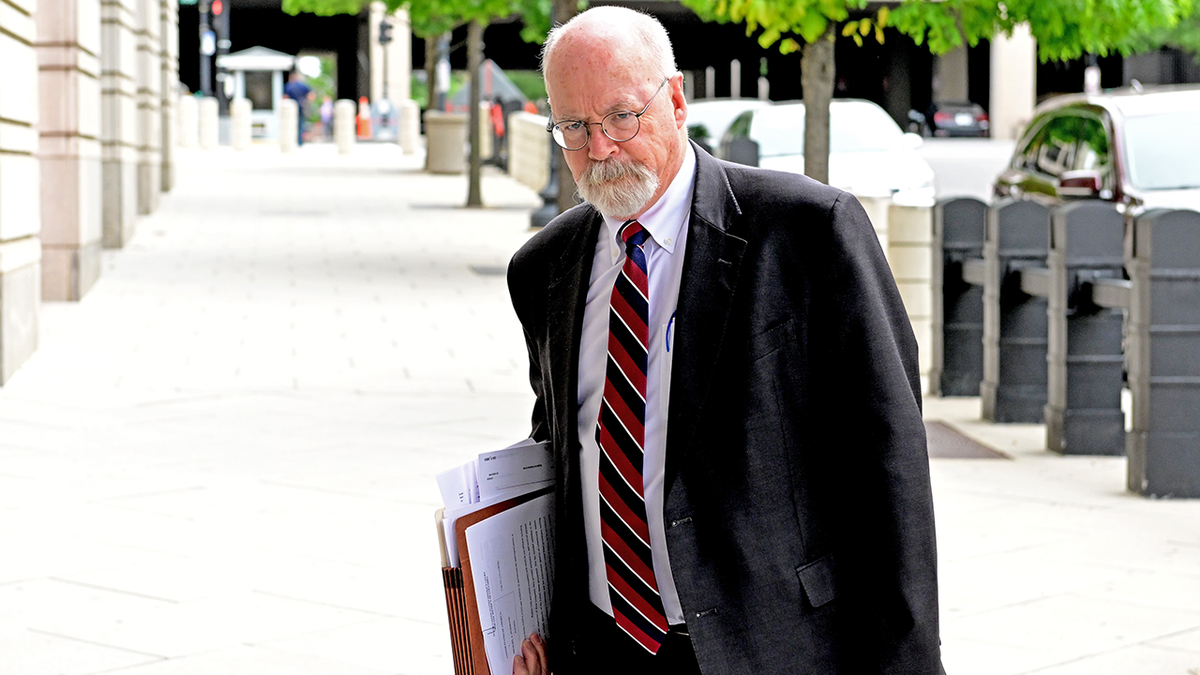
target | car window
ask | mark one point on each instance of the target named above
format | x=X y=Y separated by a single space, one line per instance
x=862 y=128
x=778 y=131
x=1068 y=142
x=854 y=126
x=1162 y=150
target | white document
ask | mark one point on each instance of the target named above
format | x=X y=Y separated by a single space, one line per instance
x=459 y=485
x=515 y=470
x=512 y=562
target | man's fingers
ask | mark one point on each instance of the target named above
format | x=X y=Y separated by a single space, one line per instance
x=532 y=659
x=539 y=645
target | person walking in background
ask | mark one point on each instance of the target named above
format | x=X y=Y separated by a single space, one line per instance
x=301 y=93
x=327 y=118
x=728 y=378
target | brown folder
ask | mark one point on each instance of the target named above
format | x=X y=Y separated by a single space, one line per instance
x=466 y=631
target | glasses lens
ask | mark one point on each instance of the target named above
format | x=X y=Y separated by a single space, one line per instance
x=570 y=135
x=621 y=126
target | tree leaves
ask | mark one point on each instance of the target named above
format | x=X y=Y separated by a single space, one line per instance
x=1064 y=29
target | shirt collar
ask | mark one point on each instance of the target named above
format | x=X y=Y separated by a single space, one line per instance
x=668 y=216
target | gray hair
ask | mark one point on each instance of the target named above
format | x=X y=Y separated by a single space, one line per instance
x=645 y=29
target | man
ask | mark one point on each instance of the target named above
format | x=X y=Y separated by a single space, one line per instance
x=726 y=373
x=301 y=93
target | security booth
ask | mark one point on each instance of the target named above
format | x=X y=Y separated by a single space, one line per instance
x=259 y=74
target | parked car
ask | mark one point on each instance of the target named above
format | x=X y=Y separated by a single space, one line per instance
x=957 y=119
x=1138 y=148
x=868 y=153
x=709 y=118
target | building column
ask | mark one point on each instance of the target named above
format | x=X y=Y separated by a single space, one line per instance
x=20 y=196
x=68 y=50
x=1014 y=82
x=149 y=104
x=118 y=121
x=169 y=90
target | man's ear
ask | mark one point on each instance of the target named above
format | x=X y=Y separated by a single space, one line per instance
x=678 y=100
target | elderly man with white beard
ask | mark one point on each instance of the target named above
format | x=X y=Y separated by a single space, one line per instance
x=727 y=376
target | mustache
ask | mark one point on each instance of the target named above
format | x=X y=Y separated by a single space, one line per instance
x=598 y=173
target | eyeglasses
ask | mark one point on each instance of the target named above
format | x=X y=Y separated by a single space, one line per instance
x=619 y=126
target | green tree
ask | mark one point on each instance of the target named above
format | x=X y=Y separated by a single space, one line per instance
x=431 y=18
x=1064 y=29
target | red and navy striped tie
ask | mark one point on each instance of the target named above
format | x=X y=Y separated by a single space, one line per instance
x=621 y=434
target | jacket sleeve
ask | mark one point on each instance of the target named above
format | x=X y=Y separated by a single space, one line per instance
x=885 y=464
x=531 y=318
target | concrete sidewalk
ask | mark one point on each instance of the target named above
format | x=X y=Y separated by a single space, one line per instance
x=222 y=460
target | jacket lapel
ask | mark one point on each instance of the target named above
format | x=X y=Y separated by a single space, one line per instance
x=710 y=275
x=566 y=296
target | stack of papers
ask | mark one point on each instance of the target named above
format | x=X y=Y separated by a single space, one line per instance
x=498 y=533
x=493 y=477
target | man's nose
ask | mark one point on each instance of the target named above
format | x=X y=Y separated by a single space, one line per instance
x=600 y=146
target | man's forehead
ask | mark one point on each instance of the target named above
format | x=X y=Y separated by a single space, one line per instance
x=582 y=104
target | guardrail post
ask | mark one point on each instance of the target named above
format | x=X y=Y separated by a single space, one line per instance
x=1164 y=371
x=1085 y=363
x=959 y=228
x=1014 y=323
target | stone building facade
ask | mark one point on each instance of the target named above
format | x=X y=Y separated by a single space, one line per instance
x=87 y=97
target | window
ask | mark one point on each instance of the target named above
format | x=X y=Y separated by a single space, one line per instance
x=1069 y=140
x=258 y=89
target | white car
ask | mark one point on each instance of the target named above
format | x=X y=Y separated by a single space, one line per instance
x=709 y=118
x=869 y=155
x=1134 y=147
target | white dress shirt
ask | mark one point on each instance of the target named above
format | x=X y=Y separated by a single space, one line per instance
x=667 y=224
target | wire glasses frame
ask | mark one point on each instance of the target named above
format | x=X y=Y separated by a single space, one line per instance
x=619 y=126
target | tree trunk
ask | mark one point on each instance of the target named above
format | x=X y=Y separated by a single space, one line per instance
x=474 y=65
x=816 y=76
x=431 y=55
x=431 y=58
x=561 y=12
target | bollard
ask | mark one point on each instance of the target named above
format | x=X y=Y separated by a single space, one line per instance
x=289 y=125
x=410 y=126
x=1084 y=360
x=876 y=205
x=1013 y=388
x=239 y=121
x=959 y=227
x=910 y=255
x=487 y=145
x=189 y=121
x=210 y=123
x=1164 y=339
x=344 y=120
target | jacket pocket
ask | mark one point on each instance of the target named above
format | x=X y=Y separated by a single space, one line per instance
x=818 y=580
x=771 y=340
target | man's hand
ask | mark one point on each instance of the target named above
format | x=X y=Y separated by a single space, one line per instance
x=532 y=660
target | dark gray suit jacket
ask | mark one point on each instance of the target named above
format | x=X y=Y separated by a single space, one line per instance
x=798 y=508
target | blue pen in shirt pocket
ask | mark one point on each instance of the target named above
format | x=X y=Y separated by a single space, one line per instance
x=669 y=331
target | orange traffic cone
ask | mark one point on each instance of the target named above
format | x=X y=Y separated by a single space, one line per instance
x=364 y=119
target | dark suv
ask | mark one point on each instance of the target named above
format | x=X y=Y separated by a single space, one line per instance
x=1139 y=148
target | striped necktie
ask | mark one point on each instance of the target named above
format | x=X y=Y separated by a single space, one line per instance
x=621 y=434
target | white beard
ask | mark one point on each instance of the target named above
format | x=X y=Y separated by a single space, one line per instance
x=617 y=189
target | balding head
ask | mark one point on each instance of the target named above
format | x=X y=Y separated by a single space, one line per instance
x=626 y=33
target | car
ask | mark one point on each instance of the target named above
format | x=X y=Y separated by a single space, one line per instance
x=869 y=155
x=708 y=119
x=1136 y=147
x=958 y=119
